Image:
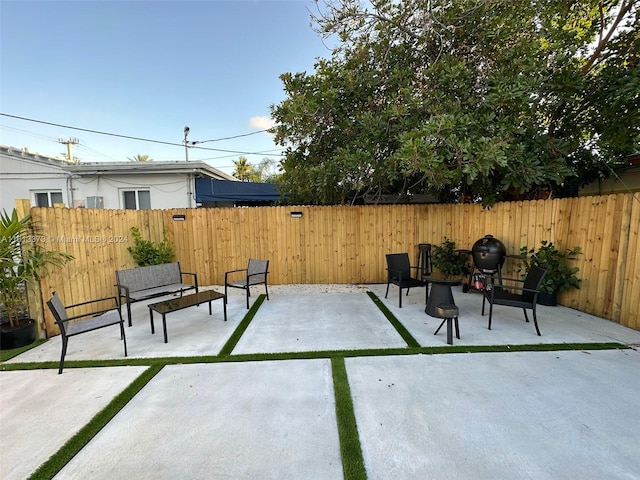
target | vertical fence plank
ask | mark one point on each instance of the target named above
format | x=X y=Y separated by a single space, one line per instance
x=630 y=311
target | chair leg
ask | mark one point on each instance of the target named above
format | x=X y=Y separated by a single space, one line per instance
x=535 y=320
x=438 y=329
x=225 y=294
x=457 y=329
x=265 y=290
x=248 y=293
x=483 y=300
x=124 y=338
x=62 y=355
x=387 y=292
x=525 y=315
x=490 y=314
x=400 y=296
x=129 y=312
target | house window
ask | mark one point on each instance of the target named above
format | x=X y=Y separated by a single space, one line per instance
x=136 y=199
x=95 y=202
x=47 y=199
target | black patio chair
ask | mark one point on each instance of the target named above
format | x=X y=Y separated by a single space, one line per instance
x=255 y=274
x=525 y=296
x=399 y=273
x=86 y=322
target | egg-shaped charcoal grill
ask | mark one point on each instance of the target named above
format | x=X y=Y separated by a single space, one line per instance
x=489 y=254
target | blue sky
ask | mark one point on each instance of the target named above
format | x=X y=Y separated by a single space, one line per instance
x=147 y=69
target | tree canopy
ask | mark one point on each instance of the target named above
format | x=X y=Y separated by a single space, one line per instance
x=472 y=100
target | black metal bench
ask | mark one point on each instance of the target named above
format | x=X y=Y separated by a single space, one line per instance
x=135 y=284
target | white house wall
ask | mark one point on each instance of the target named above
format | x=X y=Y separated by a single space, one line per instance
x=98 y=185
x=165 y=190
x=21 y=178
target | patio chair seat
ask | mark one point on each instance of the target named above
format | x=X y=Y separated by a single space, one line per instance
x=255 y=274
x=525 y=297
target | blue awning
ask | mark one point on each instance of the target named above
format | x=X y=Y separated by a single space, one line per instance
x=212 y=190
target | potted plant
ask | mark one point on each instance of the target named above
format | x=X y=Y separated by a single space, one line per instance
x=448 y=260
x=20 y=269
x=561 y=276
x=145 y=252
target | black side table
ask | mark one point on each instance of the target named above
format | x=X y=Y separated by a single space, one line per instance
x=440 y=293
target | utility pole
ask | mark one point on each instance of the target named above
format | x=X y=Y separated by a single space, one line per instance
x=68 y=143
x=186 y=145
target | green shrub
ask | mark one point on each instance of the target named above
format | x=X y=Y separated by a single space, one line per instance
x=561 y=276
x=449 y=260
x=145 y=252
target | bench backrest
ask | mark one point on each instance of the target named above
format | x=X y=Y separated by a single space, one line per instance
x=151 y=276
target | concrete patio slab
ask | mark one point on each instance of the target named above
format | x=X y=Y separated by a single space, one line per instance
x=267 y=420
x=191 y=332
x=40 y=411
x=312 y=322
x=557 y=324
x=538 y=415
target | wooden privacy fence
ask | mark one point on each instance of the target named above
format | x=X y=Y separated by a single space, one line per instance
x=339 y=244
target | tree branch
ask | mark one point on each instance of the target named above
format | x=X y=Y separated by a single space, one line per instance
x=625 y=8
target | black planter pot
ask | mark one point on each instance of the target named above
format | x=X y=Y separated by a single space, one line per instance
x=549 y=299
x=15 y=337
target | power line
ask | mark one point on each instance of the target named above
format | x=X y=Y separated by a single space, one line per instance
x=235 y=136
x=129 y=137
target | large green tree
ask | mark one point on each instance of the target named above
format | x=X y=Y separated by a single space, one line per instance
x=474 y=100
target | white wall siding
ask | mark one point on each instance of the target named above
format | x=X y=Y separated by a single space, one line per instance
x=166 y=190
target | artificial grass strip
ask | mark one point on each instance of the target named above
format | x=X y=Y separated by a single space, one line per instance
x=58 y=460
x=350 y=448
x=259 y=357
x=244 y=324
x=400 y=328
x=13 y=352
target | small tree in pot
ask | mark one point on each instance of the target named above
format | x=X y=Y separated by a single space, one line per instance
x=561 y=276
x=448 y=260
x=20 y=267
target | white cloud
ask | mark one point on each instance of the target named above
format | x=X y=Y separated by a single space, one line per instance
x=261 y=123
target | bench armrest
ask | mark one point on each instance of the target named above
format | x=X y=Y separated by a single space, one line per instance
x=192 y=275
x=124 y=294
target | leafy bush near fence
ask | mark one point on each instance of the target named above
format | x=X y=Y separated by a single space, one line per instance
x=145 y=252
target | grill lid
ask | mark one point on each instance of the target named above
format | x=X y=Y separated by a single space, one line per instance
x=488 y=253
